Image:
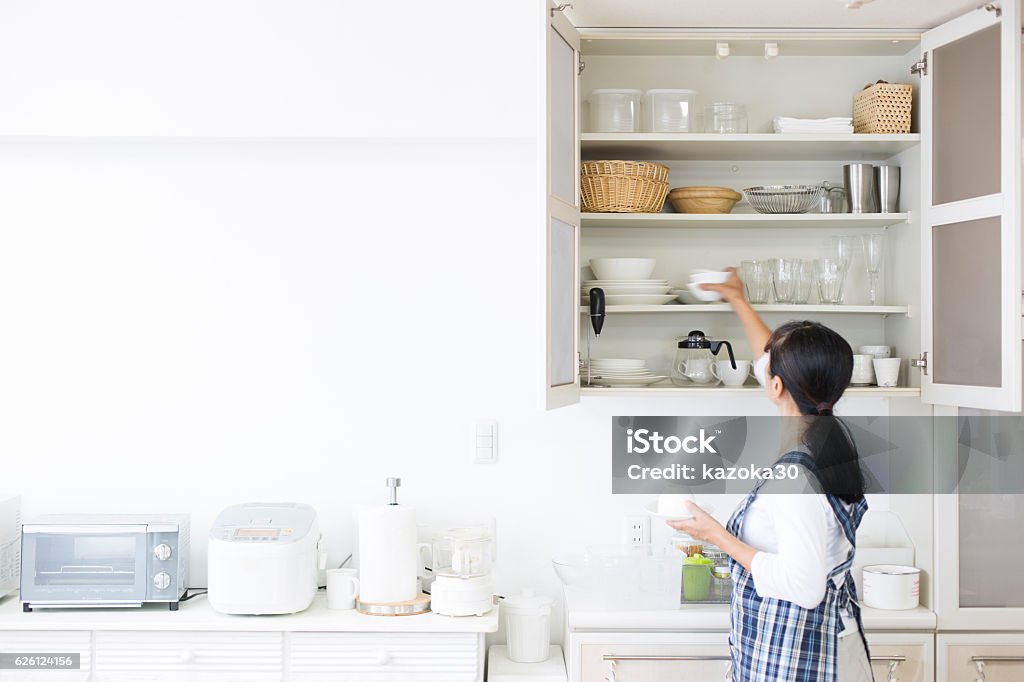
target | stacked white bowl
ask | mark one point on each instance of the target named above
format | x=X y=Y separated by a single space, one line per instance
x=620 y=372
x=627 y=281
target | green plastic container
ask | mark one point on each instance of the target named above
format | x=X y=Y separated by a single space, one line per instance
x=696 y=578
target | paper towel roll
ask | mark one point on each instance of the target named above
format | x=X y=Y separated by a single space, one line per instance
x=388 y=561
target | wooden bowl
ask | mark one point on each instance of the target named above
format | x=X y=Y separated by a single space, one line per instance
x=703 y=199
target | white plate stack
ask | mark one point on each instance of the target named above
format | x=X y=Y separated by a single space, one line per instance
x=629 y=291
x=620 y=372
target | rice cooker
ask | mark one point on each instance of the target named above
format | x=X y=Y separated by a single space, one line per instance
x=265 y=558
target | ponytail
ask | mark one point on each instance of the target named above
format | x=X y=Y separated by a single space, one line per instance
x=815 y=365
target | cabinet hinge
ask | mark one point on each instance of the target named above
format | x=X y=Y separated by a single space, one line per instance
x=921 y=67
x=561 y=8
x=921 y=363
x=993 y=7
x=579 y=69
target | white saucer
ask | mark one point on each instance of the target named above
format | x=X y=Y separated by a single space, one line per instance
x=652 y=509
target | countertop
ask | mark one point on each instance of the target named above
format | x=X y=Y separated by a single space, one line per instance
x=197 y=615
x=584 y=616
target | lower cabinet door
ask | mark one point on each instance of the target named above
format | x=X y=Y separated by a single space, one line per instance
x=651 y=657
x=49 y=645
x=379 y=657
x=899 y=657
x=189 y=656
x=980 y=657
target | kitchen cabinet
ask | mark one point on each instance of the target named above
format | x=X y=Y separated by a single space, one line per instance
x=980 y=657
x=198 y=644
x=954 y=227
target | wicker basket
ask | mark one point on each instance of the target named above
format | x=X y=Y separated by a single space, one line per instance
x=621 y=194
x=639 y=169
x=883 y=108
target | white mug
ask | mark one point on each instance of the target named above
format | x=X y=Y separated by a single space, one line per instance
x=887 y=370
x=863 y=372
x=342 y=588
x=729 y=376
x=699 y=370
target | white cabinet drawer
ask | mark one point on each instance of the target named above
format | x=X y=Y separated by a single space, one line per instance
x=202 y=656
x=902 y=657
x=642 y=657
x=992 y=657
x=37 y=642
x=377 y=657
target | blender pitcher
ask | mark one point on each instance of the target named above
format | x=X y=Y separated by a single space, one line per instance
x=695 y=360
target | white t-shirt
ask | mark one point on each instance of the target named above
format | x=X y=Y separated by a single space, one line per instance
x=798 y=541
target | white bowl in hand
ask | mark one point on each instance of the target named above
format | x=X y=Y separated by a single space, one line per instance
x=702 y=294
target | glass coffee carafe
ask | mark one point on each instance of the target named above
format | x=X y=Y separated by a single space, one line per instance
x=695 y=361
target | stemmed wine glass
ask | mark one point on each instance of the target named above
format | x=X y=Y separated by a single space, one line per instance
x=874 y=255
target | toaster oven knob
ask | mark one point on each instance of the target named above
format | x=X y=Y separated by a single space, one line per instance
x=162 y=551
x=161 y=580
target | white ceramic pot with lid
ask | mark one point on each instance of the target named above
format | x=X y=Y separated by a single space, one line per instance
x=891 y=587
x=528 y=625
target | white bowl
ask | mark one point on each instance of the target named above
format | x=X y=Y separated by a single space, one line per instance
x=701 y=294
x=622 y=268
x=876 y=351
x=709 y=276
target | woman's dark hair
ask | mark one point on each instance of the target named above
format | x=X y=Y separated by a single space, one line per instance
x=815 y=364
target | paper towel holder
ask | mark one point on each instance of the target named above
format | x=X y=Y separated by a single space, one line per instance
x=393 y=484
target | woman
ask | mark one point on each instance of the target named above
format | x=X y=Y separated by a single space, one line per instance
x=794 y=609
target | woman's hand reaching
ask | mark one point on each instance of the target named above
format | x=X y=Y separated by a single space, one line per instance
x=732 y=290
x=701 y=527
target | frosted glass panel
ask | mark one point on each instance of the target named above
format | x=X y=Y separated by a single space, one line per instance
x=991 y=554
x=966 y=117
x=562 y=303
x=966 y=303
x=562 y=138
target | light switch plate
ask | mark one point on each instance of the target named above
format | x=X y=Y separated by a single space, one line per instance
x=486 y=442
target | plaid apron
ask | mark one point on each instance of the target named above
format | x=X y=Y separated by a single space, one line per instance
x=776 y=640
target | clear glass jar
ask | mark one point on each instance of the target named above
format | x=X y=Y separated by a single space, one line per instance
x=725 y=118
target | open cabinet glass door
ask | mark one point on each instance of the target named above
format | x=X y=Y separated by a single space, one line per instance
x=971 y=210
x=562 y=219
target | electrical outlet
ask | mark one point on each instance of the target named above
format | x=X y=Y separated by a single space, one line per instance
x=638 y=530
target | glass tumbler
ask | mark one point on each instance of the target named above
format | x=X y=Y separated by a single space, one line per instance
x=725 y=117
x=805 y=282
x=757 y=280
x=830 y=274
x=786 y=274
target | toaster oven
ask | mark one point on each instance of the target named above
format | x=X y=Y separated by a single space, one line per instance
x=104 y=561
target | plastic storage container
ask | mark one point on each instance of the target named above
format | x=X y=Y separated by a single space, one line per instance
x=669 y=111
x=614 y=111
x=725 y=118
x=528 y=622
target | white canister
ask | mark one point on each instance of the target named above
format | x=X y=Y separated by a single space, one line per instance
x=892 y=587
x=528 y=626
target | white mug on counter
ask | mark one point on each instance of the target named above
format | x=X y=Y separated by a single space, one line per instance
x=732 y=377
x=887 y=371
x=342 y=588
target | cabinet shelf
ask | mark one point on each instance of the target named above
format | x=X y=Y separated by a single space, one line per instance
x=744 y=147
x=666 y=388
x=743 y=220
x=764 y=308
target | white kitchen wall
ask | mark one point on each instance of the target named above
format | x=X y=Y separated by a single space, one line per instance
x=190 y=323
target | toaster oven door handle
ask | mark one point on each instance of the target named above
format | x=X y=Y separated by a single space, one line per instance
x=83 y=529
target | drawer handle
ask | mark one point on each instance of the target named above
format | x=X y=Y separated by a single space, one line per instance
x=980 y=661
x=894 y=664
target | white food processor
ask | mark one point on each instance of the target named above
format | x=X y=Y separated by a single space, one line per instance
x=462 y=559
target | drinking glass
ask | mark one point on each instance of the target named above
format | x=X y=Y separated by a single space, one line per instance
x=840 y=248
x=874 y=255
x=805 y=282
x=757 y=279
x=786 y=274
x=830 y=273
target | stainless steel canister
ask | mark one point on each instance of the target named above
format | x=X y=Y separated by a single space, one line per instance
x=887 y=180
x=861 y=191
